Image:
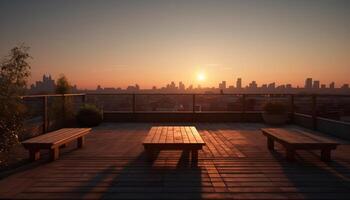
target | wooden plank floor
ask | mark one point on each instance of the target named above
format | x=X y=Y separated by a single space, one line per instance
x=234 y=164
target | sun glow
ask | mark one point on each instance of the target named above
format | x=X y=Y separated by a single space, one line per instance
x=201 y=76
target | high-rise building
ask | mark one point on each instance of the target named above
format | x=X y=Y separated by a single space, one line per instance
x=345 y=86
x=253 y=84
x=47 y=85
x=239 y=83
x=308 y=83
x=316 y=85
x=332 y=85
x=222 y=85
x=272 y=85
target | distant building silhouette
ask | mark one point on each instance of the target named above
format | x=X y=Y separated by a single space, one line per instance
x=272 y=85
x=308 y=83
x=316 y=85
x=181 y=86
x=239 y=83
x=47 y=85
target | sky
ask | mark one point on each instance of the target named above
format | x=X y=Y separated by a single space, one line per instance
x=119 y=43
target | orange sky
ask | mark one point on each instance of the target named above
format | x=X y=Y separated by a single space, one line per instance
x=120 y=43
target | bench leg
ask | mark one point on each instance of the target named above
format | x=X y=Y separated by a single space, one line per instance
x=34 y=154
x=186 y=155
x=270 y=144
x=195 y=157
x=81 y=142
x=54 y=153
x=290 y=154
x=151 y=154
x=326 y=155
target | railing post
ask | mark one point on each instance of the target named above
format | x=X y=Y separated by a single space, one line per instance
x=292 y=107
x=45 y=114
x=243 y=108
x=133 y=103
x=314 y=112
x=193 y=103
x=84 y=98
x=64 y=108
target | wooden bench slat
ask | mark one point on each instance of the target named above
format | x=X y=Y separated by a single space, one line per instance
x=184 y=135
x=294 y=139
x=53 y=140
x=150 y=135
x=157 y=135
x=174 y=138
x=56 y=136
x=293 y=136
x=196 y=135
x=190 y=135
x=162 y=138
x=177 y=135
x=47 y=135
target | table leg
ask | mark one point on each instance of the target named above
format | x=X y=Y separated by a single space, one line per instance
x=54 y=154
x=81 y=141
x=195 y=156
x=326 y=155
x=270 y=144
x=290 y=154
x=34 y=154
x=151 y=154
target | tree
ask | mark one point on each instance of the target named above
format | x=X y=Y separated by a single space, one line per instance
x=62 y=85
x=14 y=74
x=63 y=107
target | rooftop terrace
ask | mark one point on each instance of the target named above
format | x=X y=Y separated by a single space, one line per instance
x=235 y=164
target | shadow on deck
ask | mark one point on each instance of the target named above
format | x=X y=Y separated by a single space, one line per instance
x=235 y=163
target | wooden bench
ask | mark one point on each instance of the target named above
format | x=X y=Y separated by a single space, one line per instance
x=184 y=138
x=294 y=139
x=53 y=141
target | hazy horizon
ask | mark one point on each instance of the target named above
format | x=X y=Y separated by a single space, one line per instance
x=121 y=43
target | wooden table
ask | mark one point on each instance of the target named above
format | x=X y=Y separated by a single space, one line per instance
x=184 y=138
x=53 y=140
x=294 y=139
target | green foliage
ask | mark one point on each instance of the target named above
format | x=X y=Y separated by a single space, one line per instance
x=62 y=85
x=14 y=73
x=89 y=115
x=276 y=108
x=62 y=107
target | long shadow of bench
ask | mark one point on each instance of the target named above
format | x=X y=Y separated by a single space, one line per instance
x=140 y=179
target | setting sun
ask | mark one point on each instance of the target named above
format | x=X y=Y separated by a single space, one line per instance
x=200 y=76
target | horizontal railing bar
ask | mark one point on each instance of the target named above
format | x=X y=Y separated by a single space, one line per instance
x=51 y=95
x=189 y=94
x=229 y=94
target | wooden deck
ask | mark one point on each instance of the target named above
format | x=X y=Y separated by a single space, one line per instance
x=234 y=164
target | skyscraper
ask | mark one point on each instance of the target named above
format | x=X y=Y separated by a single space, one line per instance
x=316 y=85
x=239 y=83
x=332 y=85
x=222 y=85
x=308 y=83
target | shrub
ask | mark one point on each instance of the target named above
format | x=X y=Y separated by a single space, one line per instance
x=14 y=72
x=89 y=115
x=275 y=108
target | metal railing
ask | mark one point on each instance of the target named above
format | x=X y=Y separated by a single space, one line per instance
x=241 y=104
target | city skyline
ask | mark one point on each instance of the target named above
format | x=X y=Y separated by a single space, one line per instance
x=117 y=43
x=47 y=85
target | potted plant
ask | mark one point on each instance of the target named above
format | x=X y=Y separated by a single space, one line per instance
x=89 y=115
x=275 y=113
